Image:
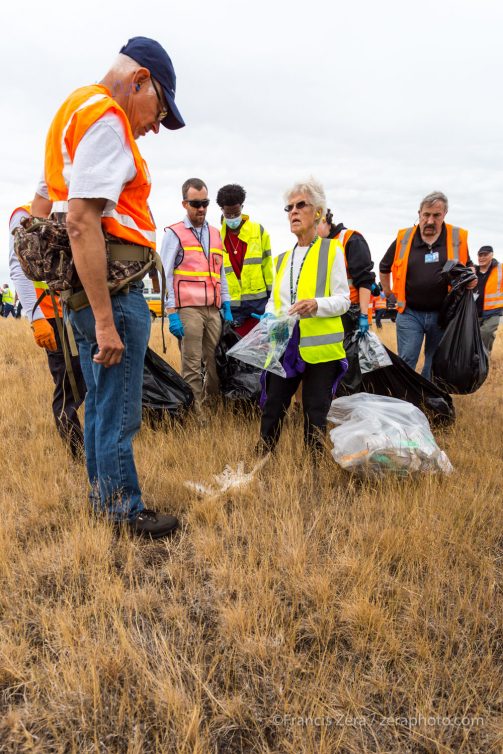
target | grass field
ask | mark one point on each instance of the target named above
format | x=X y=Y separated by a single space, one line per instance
x=305 y=613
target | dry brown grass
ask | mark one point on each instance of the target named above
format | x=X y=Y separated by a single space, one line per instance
x=302 y=614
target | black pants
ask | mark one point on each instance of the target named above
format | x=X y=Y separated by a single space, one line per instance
x=380 y=313
x=64 y=405
x=317 y=382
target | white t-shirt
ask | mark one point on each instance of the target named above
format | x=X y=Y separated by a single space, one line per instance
x=102 y=165
x=334 y=305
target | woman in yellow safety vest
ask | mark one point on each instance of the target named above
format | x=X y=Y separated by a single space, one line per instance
x=310 y=282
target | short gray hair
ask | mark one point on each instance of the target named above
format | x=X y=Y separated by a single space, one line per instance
x=313 y=189
x=435 y=196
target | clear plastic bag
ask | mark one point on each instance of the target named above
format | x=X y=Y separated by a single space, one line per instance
x=371 y=353
x=264 y=346
x=375 y=435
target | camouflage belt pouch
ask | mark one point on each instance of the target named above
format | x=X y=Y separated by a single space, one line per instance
x=43 y=249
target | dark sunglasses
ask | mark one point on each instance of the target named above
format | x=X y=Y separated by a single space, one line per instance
x=297 y=205
x=163 y=113
x=198 y=203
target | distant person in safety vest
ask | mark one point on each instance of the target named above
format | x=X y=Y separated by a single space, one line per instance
x=247 y=259
x=95 y=173
x=197 y=293
x=490 y=294
x=7 y=301
x=415 y=261
x=311 y=283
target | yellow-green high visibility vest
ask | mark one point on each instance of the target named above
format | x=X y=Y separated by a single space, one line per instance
x=321 y=338
x=7 y=296
x=257 y=272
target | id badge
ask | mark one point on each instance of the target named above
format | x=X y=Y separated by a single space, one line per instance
x=431 y=257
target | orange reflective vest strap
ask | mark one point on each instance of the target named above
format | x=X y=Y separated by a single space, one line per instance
x=344 y=237
x=457 y=249
x=493 y=293
x=379 y=303
x=370 y=311
x=131 y=219
x=45 y=305
x=21 y=208
x=196 y=280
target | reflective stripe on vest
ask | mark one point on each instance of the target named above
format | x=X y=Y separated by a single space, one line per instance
x=457 y=249
x=344 y=237
x=321 y=338
x=493 y=293
x=196 y=280
x=131 y=219
x=7 y=296
x=252 y=285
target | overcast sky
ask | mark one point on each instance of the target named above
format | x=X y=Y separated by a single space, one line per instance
x=381 y=101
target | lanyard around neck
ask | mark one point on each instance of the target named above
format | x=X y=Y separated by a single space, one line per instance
x=293 y=290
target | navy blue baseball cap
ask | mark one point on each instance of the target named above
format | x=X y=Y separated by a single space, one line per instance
x=149 y=54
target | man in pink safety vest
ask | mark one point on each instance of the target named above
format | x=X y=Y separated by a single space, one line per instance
x=197 y=293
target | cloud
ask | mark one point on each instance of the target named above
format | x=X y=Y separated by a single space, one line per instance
x=383 y=102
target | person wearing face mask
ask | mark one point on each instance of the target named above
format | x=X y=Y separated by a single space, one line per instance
x=359 y=264
x=197 y=293
x=415 y=261
x=247 y=259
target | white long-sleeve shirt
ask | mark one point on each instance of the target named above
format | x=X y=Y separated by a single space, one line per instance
x=24 y=287
x=334 y=305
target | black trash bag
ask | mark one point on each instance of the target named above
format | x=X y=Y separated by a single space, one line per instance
x=400 y=381
x=165 y=393
x=458 y=276
x=239 y=382
x=461 y=363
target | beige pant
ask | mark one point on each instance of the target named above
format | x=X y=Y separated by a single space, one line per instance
x=202 y=326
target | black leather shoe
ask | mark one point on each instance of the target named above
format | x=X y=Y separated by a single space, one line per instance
x=153 y=525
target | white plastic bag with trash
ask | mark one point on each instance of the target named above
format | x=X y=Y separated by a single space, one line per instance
x=371 y=353
x=264 y=346
x=375 y=434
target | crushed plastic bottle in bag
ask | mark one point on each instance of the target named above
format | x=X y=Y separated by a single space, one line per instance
x=375 y=435
x=264 y=346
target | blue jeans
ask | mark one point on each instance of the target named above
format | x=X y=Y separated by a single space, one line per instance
x=411 y=327
x=113 y=404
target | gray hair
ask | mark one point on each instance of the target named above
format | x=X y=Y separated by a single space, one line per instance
x=435 y=196
x=122 y=67
x=311 y=188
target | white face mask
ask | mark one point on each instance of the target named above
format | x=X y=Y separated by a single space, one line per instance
x=233 y=222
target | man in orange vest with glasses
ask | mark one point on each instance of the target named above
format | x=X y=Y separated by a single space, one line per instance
x=95 y=175
x=415 y=260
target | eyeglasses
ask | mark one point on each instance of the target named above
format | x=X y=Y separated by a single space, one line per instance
x=297 y=205
x=198 y=203
x=163 y=113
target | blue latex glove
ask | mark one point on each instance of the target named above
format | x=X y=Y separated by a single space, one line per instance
x=261 y=316
x=363 y=324
x=176 y=325
x=226 y=311
x=375 y=290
